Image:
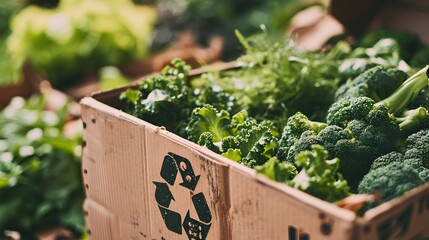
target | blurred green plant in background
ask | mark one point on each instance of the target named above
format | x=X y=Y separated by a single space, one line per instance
x=8 y=73
x=80 y=36
x=40 y=174
x=222 y=17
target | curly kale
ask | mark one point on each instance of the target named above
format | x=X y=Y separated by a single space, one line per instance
x=277 y=171
x=239 y=138
x=319 y=176
x=166 y=99
x=208 y=119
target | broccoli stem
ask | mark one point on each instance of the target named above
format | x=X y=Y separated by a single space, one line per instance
x=413 y=120
x=315 y=126
x=407 y=92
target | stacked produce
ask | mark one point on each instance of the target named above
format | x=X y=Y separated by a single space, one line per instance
x=40 y=177
x=333 y=123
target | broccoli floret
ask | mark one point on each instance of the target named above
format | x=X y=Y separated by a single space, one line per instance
x=239 y=138
x=424 y=174
x=319 y=176
x=390 y=181
x=255 y=142
x=307 y=139
x=413 y=120
x=295 y=126
x=332 y=135
x=343 y=111
x=357 y=145
x=365 y=129
x=375 y=131
x=387 y=159
x=407 y=92
x=206 y=140
x=277 y=171
x=376 y=83
x=417 y=146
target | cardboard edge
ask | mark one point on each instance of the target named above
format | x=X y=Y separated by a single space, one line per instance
x=384 y=207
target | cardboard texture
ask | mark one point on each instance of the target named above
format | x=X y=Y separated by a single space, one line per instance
x=143 y=182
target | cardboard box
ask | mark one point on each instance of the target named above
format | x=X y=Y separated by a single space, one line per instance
x=143 y=182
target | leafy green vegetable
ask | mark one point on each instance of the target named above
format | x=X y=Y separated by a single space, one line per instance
x=376 y=83
x=277 y=171
x=40 y=174
x=295 y=127
x=165 y=99
x=239 y=138
x=367 y=128
x=319 y=176
x=280 y=79
x=78 y=36
x=390 y=181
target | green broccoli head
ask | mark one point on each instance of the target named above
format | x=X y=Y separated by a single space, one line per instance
x=376 y=83
x=304 y=143
x=417 y=146
x=342 y=112
x=424 y=174
x=348 y=109
x=406 y=92
x=295 y=126
x=319 y=176
x=387 y=159
x=390 y=181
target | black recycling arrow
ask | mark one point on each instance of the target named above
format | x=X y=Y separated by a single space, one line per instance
x=172 y=220
x=195 y=229
x=190 y=181
x=201 y=207
x=163 y=195
x=169 y=169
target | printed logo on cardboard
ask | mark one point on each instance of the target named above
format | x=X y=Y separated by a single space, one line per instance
x=195 y=228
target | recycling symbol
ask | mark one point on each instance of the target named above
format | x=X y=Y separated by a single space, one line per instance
x=194 y=228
